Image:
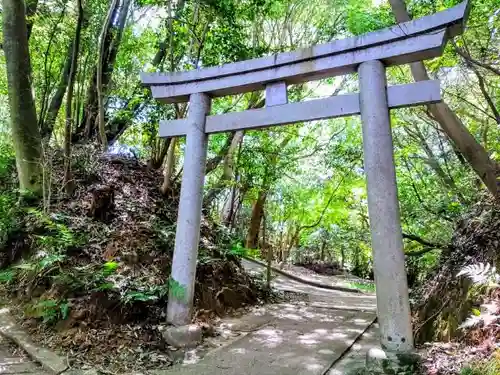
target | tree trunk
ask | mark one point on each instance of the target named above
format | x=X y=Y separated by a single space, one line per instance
x=118 y=124
x=432 y=161
x=25 y=133
x=228 y=210
x=68 y=180
x=484 y=90
x=114 y=47
x=228 y=172
x=213 y=163
x=294 y=239
x=120 y=27
x=269 y=179
x=169 y=167
x=159 y=151
x=31 y=8
x=47 y=124
x=269 y=251
x=280 y=246
x=101 y=122
x=88 y=126
x=322 y=253
x=252 y=240
x=472 y=150
x=82 y=73
x=234 y=215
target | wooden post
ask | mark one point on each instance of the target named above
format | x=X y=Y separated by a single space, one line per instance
x=269 y=254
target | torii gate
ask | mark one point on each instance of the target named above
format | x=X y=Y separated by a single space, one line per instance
x=369 y=55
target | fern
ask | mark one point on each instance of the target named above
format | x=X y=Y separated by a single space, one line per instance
x=50 y=310
x=109 y=268
x=484 y=275
x=7 y=276
x=471 y=322
x=481 y=274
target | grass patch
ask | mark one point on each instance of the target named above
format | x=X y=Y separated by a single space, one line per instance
x=365 y=287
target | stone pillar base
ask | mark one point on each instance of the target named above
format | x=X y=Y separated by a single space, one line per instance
x=381 y=362
x=188 y=336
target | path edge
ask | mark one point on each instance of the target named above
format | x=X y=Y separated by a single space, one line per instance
x=348 y=349
x=305 y=281
x=48 y=359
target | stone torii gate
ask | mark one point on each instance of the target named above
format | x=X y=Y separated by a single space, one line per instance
x=368 y=55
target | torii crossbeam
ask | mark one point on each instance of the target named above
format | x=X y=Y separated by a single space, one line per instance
x=368 y=55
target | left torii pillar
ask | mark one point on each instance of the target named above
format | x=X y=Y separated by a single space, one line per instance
x=182 y=282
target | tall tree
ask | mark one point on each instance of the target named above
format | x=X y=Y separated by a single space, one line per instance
x=228 y=170
x=47 y=123
x=269 y=179
x=467 y=145
x=69 y=101
x=169 y=167
x=100 y=89
x=25 y=133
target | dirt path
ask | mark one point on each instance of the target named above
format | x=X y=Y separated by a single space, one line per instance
x=318 y=296
x=306 y=337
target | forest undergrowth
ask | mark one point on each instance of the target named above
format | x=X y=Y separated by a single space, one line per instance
x=95 y=268
x=456 y=312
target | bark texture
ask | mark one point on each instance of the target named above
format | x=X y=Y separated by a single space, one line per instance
x=25 y=133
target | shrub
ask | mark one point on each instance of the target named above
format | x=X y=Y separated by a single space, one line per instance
x=9 y=218
x=490 y=367
x=9 y=222
x=50 y=310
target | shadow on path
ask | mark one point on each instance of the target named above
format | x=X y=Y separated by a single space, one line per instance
x=307 y=337
x=295 y=340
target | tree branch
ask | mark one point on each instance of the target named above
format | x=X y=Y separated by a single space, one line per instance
x=429 y=246
x=484 y=91
x=421 y=252
x=421 y=241
x=467 y=57
x=323 y=212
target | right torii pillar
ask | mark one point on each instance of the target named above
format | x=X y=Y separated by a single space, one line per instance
x=393 y=307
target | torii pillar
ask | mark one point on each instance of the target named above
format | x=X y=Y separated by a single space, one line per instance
x=187 y=234
x=393 y=306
